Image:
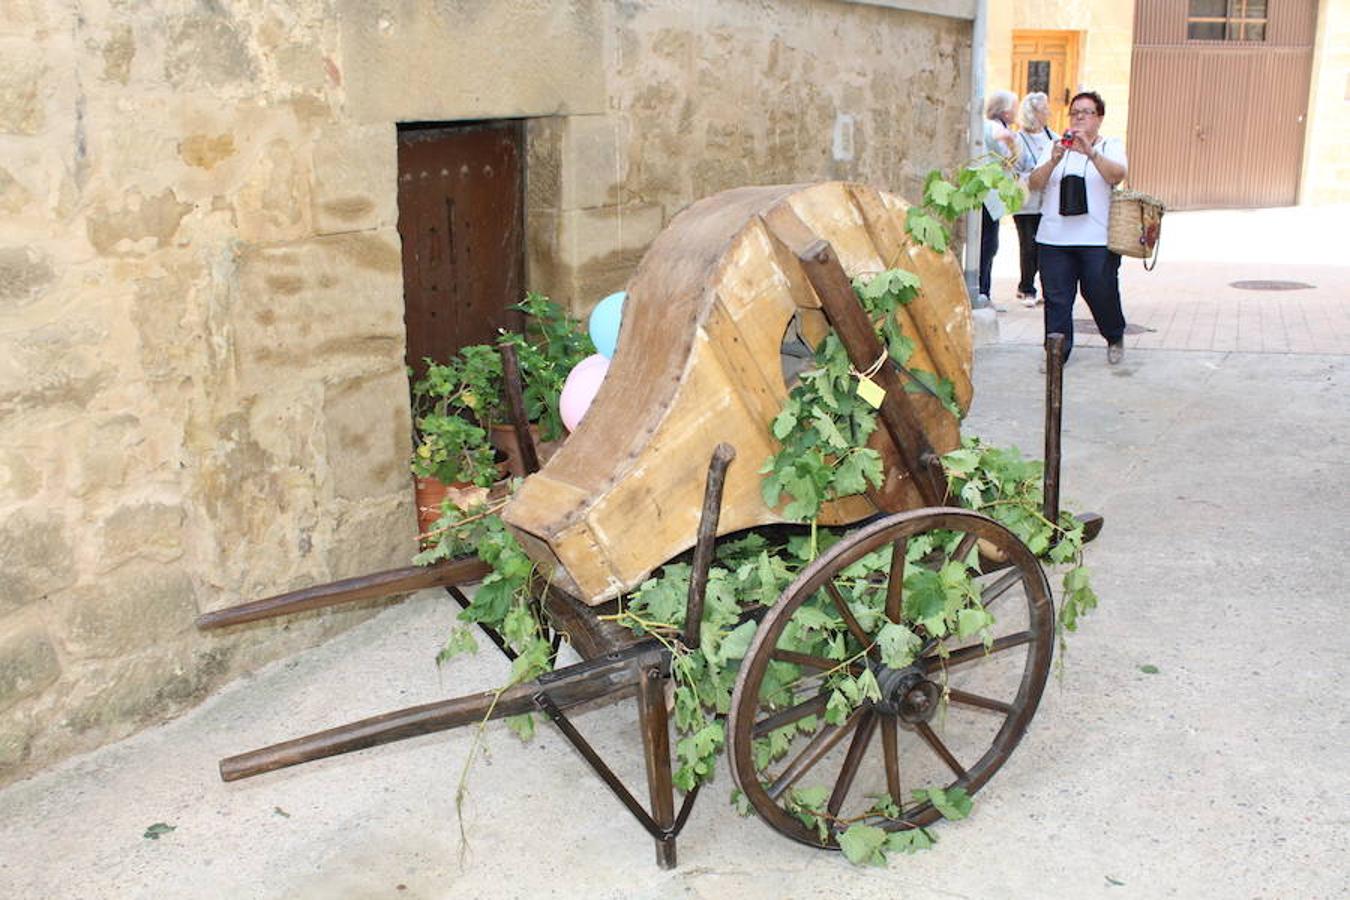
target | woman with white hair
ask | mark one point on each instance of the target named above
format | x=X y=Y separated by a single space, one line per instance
x=1033 y=137
x=998 y=140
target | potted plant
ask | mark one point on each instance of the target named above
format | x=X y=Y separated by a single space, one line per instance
x=451 y=451
x=459 y=411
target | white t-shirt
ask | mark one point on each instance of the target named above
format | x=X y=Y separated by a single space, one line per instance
x=1086 y=230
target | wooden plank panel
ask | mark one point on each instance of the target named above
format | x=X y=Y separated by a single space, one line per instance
x=1215 y=126
x=1159 y=23
x=461 y=210
x=1221 y=176
x=1162 y=141
x=1292 y=23
x=699 y=362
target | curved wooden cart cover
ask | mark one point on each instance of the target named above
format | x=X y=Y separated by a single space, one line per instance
x=699 y=361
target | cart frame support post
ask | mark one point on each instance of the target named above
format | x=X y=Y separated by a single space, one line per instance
x=651 y=700
x=513 y=387
x=707 y=538
x=1054 y=417
x=855 y=331
x=662 y=823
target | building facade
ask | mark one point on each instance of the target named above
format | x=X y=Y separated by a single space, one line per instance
x=1224 y=103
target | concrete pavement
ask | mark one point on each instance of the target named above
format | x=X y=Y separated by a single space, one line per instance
x=1221 y=473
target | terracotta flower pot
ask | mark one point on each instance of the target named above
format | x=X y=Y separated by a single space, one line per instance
x=430 y=495
x=503 y=437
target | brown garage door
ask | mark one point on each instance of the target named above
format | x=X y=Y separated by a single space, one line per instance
x=1220 y=121
x=460 y=215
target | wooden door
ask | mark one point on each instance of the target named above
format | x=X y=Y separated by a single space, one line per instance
x=1047 y=61
x=460 y=215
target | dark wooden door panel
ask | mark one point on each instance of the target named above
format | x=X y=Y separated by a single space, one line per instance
x=460 y=201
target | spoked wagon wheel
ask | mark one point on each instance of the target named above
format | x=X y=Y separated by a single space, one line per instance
x=950 y=718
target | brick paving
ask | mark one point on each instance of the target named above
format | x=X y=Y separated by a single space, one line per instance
x=1188 y=303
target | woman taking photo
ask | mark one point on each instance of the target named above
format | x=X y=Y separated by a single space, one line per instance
x=1033 y=138
x=1076 y=174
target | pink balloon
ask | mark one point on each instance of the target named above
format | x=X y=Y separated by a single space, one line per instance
x=580 y=389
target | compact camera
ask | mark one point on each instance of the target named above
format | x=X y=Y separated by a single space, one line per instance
x=1066 y=139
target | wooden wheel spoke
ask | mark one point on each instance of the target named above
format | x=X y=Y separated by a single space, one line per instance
x=811 y=754
x=999 y=587
x=967 y=544
x=812 y=707
x=814 y=662
x=862 y=736
x=966 y=698
x=978 y=651
x=849 y=619
x=890 y=752
x=930 y=737
x=895 y=585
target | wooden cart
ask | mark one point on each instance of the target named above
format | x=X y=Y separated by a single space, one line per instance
x=702 y=369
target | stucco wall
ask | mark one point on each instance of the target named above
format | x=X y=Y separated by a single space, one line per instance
x=202 y=394
x=1326 y=158
x=1106 y=42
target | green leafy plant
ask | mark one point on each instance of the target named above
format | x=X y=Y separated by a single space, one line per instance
x=453 y=450
x=824 y=426
x=867 y=845
x=946 y=200
x=553 y=343
x=502 y=601
x=1000 y=483
x=456 y=402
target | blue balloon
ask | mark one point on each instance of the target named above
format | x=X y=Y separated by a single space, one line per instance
x=604 y=323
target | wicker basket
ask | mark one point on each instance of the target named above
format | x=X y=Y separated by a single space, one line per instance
x=1135 y=225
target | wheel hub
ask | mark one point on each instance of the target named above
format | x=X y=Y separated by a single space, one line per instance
x=908 y=694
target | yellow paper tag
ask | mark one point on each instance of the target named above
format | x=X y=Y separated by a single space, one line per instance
x=871 y=392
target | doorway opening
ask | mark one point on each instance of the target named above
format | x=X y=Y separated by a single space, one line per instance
x=1047 y=61
x=461 y=203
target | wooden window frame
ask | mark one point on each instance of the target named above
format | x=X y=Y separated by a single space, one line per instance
x=1236 y=18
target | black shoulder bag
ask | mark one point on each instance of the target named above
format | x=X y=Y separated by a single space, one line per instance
x=1073 y=192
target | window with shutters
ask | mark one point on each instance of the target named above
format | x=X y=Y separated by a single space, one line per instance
x=1226 y=20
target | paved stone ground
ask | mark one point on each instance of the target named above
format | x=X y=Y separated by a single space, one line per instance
x=1188 y=302
x=1221 y=474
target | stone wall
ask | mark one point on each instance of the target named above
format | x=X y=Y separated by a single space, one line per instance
x=704 y=96
x=202 y=394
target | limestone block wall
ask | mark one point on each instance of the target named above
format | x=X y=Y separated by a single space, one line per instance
x=202 y=393
x=703 y=96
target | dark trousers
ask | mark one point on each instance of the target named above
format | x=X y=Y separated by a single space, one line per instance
x=1096 y=270
x=1026 y=246
x=988 y=247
